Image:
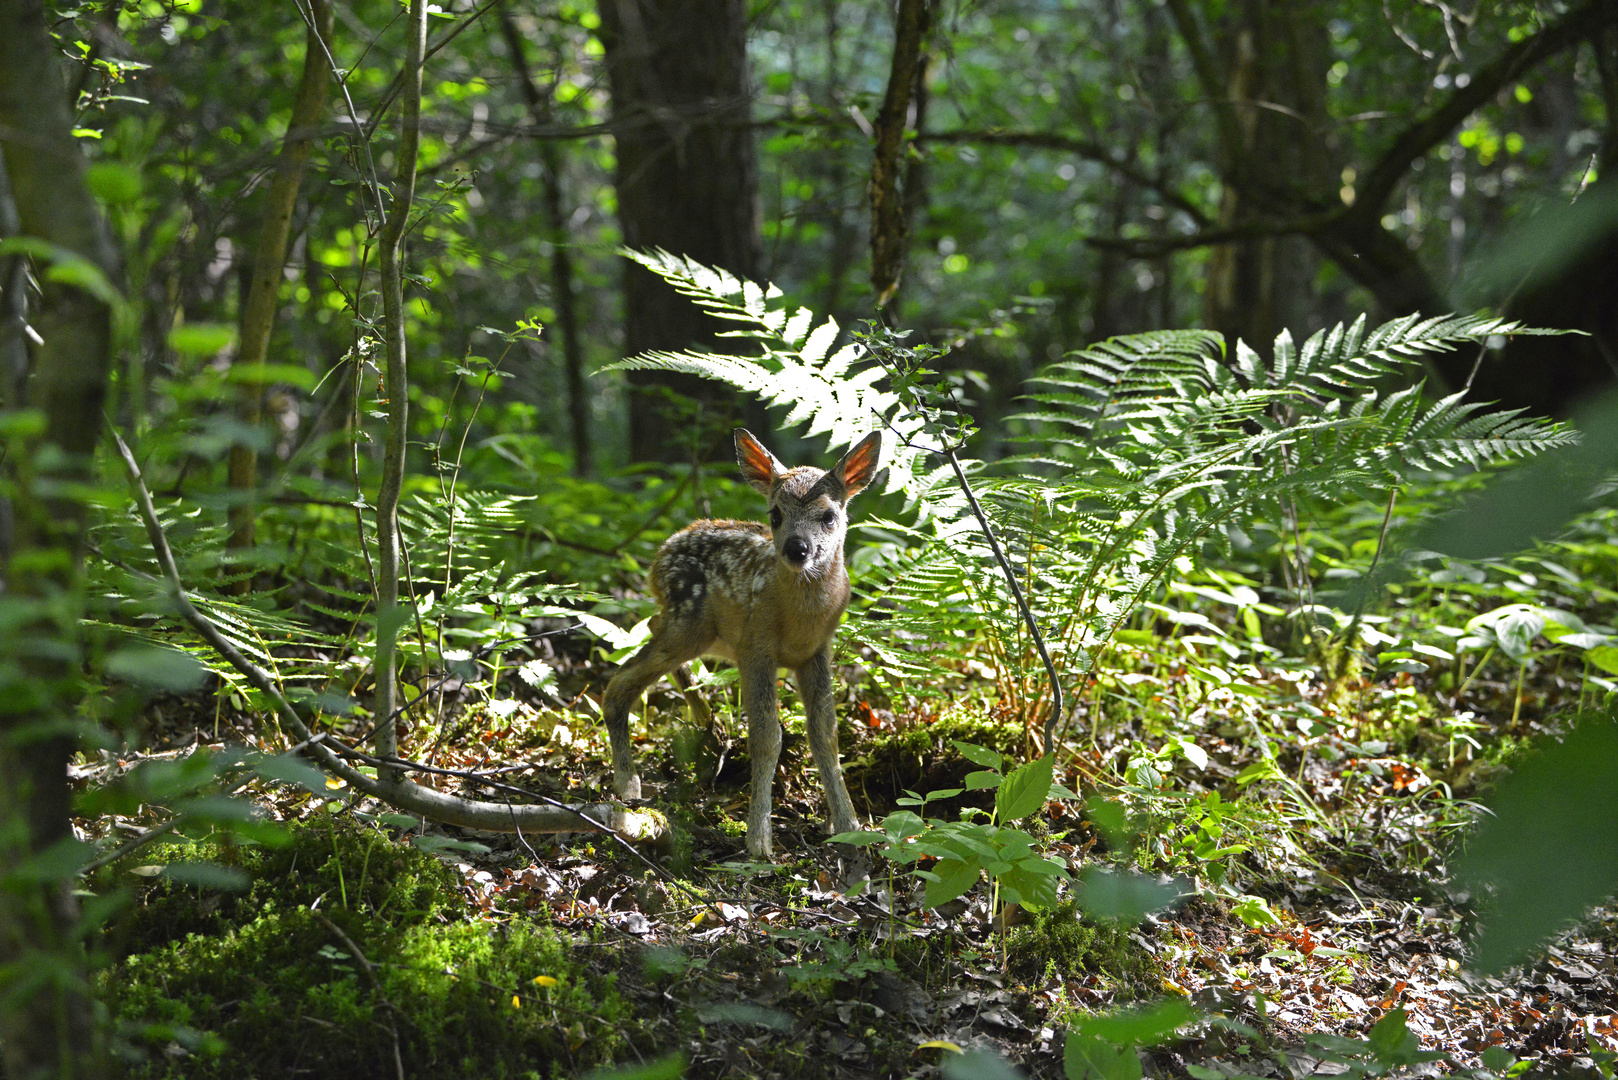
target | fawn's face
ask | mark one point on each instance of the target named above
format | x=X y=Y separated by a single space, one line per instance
x=808 y=506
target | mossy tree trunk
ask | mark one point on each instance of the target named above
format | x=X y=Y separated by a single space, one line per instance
x=46 y=1023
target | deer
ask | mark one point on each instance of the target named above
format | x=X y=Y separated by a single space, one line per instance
x=764 y=598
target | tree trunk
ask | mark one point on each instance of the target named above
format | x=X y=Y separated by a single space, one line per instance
x=562 y=300
x=890 y=226
x=269 y=262
x=687 y=182
x=47 y=1030
x=1274 y=54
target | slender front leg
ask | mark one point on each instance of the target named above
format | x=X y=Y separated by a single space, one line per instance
x=814 y=686
x=763 y=746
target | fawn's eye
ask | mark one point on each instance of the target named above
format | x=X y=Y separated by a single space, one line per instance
x=775 y=517
x=829 y=519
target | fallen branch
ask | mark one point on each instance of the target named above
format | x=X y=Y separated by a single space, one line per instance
x=401 y=794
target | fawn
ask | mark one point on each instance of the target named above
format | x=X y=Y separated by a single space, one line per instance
x=763 y=598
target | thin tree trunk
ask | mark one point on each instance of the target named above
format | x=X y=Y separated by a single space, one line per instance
x=13 y=306
x=562 y=299
x=390 y=616
x=47 y=1030
x=889 y=231
x=269 y=263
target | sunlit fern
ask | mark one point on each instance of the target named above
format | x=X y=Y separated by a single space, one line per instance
x=1140 y=452
x=833 y=393
x=1155 y=445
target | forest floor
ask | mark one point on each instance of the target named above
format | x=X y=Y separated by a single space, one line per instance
x=1313 y=895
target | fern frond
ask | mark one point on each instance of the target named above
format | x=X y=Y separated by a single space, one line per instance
x=839 y=393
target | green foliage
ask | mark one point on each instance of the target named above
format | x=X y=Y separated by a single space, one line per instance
x=966 y=849
x=1062 y=942
x=280 y=990
x=1547 y=851
x=829 y=392
x=1102 y=1047
x=1155 y=448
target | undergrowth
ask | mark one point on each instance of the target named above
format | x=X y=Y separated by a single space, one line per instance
x=347 y=949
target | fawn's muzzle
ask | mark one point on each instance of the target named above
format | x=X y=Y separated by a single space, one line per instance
x=796 y=550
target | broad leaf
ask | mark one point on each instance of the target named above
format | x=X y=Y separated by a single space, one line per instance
x=954 y=878
x=1025 y=790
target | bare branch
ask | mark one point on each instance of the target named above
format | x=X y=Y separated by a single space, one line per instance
x=1416 y=140
x=1088 y=149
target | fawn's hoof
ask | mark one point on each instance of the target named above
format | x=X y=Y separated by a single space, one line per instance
x=626 y=787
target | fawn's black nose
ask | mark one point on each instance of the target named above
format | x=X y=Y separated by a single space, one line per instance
x=796 y=550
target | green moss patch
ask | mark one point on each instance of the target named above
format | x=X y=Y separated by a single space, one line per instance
x=1061 y=942
x=347 y=950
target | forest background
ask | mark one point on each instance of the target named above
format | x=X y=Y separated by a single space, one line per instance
x=328 y=297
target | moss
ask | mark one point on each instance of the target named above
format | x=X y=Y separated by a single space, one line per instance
x=1060 y=942
x=331 y=860
x=923 y=758
x=266 y=972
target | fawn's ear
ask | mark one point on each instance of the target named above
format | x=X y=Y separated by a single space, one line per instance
x=759 y=467
x=858 y=466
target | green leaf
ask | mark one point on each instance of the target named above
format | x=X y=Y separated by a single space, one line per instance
x=1030 y=882
x=161 y=669
x=982 y=779
x=858 y=839
x=292 y=770
x=979 y=755
x=1534 y=502
x=1128 y=897
x=1025 y=790
x=1605 y=658
x=202 y=339
x=1391 y=1039
x=263 y=373
x=1548 y=850
x=1140 y=1027
x=1263 y=769
x=59 y=862
x=22 y=423
x=215 y=809
x=1087 y=1058
x=113 y=183
x=978 y=1065
x=954 y=878
x=208 y=875
x=1255 y=912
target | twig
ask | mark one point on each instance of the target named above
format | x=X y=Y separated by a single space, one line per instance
x=1016 y=594
x=367 y=969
